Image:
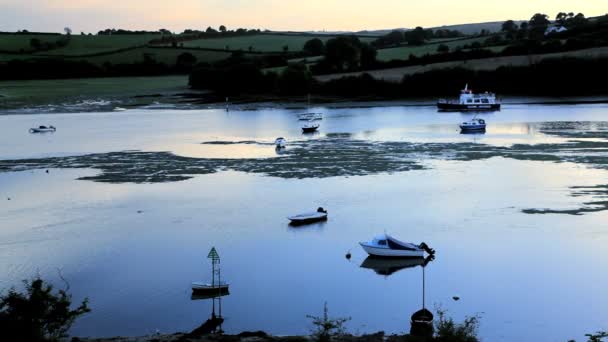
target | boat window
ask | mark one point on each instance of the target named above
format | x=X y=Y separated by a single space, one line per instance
x=485 y=101
x=469 y=101
x=382 y=242
x=476 y=101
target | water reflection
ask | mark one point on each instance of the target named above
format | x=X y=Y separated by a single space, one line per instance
x=213 y=324
x=421 y=322
x=388 y=266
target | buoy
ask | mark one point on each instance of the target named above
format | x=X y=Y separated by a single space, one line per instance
x=456 y=298
x=8 y=199
x=47 y=171
x=348 y=255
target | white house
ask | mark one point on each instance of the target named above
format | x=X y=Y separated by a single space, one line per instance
x=555 y=29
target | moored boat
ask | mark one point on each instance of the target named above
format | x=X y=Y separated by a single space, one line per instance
x=469 y=101
x=280 y=142
x=310 y=127
x=43 y=129
x=305 y=218
x=473 y=125
x=387 y=246
x=217 y=287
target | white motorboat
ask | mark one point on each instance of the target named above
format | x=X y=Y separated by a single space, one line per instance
x=319 y=215
x=310 y=127
x=469 y=101
x=43 y=129
x=474 y=125
x=280 y=142
x=119 y=109
x=387 y=246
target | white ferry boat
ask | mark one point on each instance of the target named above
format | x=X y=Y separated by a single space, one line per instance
x=470 y=102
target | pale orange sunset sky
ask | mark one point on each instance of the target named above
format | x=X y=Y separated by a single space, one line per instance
x=177 y=15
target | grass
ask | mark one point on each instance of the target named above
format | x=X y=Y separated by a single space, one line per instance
x=40 y=92
x=261 y=42
x=167 y=56
x=85 y=45
x=17 y=42
x=405 y=51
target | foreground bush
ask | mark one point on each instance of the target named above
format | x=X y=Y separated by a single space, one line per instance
x=38 y=314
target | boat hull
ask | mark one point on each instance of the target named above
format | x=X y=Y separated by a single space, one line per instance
x=201 y=288
x=310 y=129
x=481 y=128
x=457 y=107
x=295 y=221
x=393 y=253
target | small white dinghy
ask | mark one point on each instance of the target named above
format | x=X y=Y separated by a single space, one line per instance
x=319 y=215
x=475 y=125
x=387 y=246
x=280 y=142
x=217 y=287
x=43 y=129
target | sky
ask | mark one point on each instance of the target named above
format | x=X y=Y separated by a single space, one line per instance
x=301 y=15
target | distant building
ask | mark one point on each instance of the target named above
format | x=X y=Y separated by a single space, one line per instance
x=555 y=29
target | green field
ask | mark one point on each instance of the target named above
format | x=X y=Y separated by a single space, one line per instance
x=85 y=45
x=167 y=56
x=18 y=42
x=405 y=51
x=17 y=94
x=261 y=42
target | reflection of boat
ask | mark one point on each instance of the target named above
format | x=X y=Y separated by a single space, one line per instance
x=474 y=125
x=421 y=323
x=470 y=102
x=388 y=266
x=280 y=142
x=216 y=286
x=310 y=127
x=43 y=129
x=319 y=215
x=387 y=246
x=310 y=116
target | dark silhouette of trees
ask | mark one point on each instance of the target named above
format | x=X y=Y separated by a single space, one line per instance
x=343 y=53
x=185 y=61
x=368 y=56
x=442 y=48
x=38 y=314
x=509 y=26
x=222 y=28
x=314 y=47
x=538 y=25
x=415 y=36
x=295 y=80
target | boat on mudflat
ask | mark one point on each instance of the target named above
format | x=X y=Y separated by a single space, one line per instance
x=280 y=142
x=470 y=102
x=310 y=127
x=387 y=246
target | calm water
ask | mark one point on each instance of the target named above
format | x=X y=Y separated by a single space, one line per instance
x=133 y=248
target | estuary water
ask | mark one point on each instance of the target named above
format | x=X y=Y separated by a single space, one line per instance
x=133 y=201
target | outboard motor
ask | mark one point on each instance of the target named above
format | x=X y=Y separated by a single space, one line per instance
x=426 y=248
x=321 y=210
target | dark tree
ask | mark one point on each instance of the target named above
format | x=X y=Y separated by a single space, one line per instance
x=343 y=52
x=295 y=80
x=222 y=28
x=185 y=61
x=538 y=25
x=38 y=314
x=442 y=48
x=35 y=43
x=314 y=47
x=368 y=56
x=415 y=36
x=509 y=26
